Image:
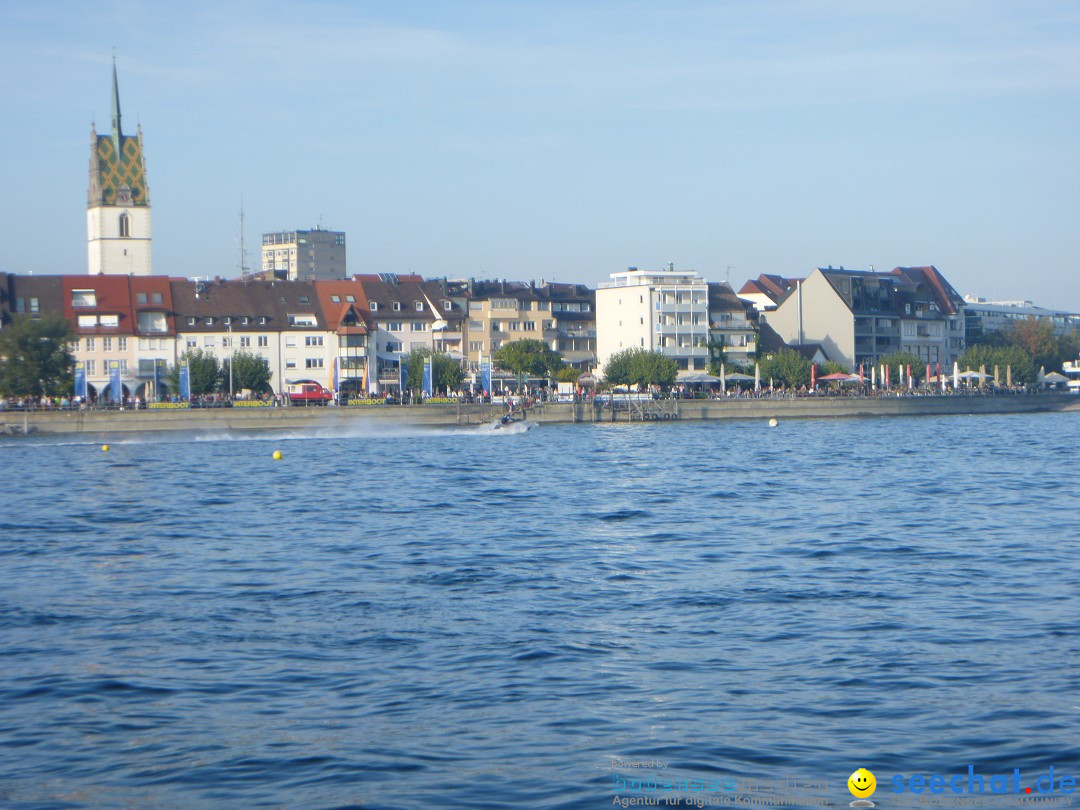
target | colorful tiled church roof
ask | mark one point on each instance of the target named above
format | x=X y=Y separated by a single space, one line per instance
x=117 y=166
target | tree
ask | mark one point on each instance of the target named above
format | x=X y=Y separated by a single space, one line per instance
x=832 y=367
x=905 y=359
x=1036 y=337
x=528 y=356
x=617 y=370
x=1022 y=368
x=249 y=370
x=204 y=372
x=35 y=359
x=787 y=367
x=653 y=368
x=640 y=367
x=446 y=373
x=567 y=374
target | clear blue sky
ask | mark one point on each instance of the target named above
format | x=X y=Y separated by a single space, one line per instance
x=565 y=140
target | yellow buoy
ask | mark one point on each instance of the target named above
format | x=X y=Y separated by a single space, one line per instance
x=105 y=448
x=773 y=422
x=277 y=455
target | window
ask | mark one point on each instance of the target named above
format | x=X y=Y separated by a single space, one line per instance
x=155 y=298
x=290 y=342
x=264 y=341
x=140 y=298
x=226 y=342
x=245 y=342
x=476 y=345
x=190 y=321
x=419 y=326
x=351 y=299
x=91 y=368
x=419 y=306
x=304 y=299
x=530 y=326
x=20 y=305
x=313 y=362
x=209 y=321
x=262 y=319
x=90 y=344
x=374 y=306
x=123 y=366
x=447 y=305
x=302 y=320
x=335 y=299
x=111 y=321
x=515 y=326
x=397 y=306
x=394 y=326
x=192 y=343
x=290 y=364
x=313 y=340
x=106 y=344
x=86 y=321
x=496 y=326
x=393 y=346
x=125 y=224
x=226 y=320
x=122 y=344
x=208 y=342
x=83 y=298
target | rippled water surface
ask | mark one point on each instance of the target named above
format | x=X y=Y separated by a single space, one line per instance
x=470 y=619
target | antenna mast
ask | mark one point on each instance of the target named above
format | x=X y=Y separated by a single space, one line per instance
x=243 y=253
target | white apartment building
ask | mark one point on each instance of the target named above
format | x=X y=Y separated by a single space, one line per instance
x=658 y=310
x=315 y=255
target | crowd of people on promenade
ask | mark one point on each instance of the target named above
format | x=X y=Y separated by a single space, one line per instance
x=529 y=396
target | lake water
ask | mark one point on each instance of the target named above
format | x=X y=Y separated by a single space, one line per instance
x=476 y=618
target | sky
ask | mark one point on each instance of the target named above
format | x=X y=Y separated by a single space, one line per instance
x=563 y=140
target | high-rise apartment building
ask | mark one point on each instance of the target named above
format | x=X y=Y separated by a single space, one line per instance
x=316 y=255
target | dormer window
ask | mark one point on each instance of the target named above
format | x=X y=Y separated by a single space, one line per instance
x=226 y=320
x=374 y=306
x=245 y=320
x=83 y=298
x=447 y=305
x=210 y=321
x=190 y=321
x=262 y=319
x=304 y=299
x=397 y=306
x=419 y=306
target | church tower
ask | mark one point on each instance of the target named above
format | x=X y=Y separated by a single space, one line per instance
x=118 y=208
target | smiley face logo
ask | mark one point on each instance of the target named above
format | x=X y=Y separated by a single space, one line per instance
x=862 y=783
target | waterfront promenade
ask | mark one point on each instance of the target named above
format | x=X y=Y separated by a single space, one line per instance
x=449 y=415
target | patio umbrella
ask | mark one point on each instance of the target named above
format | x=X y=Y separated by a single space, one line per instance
x=723 y=375
x=838 y=377
x=757 y=376
x=740 y=377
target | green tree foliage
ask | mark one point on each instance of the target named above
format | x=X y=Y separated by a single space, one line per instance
x=446 y=373
x=35 y=359
x=567 y=374
x=1023 y=368
x=832 y=367
x=250 y=371
x=786 y=367
x=532 y=357
x=640 y=367
x=204 y=372
x=905 y=359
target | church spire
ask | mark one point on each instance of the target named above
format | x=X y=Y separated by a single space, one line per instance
x=116 y=134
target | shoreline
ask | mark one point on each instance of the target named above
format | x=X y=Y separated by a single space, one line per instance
x=44 y=423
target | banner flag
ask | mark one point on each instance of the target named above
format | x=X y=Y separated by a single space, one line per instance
x=185 y=379
x=116 y=391
x=80 y=379
x=485 y=376
x=427 y=377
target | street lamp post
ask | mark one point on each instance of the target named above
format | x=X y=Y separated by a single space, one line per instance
x=232 y=355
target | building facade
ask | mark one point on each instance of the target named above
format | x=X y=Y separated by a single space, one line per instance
x=858 y=317
x=315 y=255
x=982 y=316
x=118 y=204
x=657 y=310
x=560 y=315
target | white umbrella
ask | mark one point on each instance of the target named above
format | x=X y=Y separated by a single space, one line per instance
x=757 y=376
